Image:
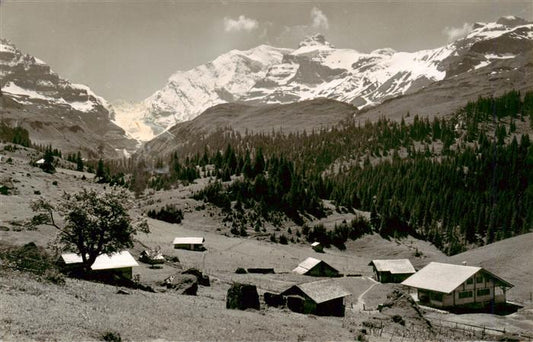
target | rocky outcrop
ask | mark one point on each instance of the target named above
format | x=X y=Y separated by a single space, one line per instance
x=55 y=111
x=186 y=284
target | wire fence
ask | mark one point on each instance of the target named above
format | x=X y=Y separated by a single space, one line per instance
x=438 y=330
x=480 y=330
x=442 y=331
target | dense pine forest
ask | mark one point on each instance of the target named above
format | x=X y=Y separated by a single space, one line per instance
x=460 y=181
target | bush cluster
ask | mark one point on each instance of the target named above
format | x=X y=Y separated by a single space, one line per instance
x=32 y=259
x=339 y=235
x=169 y=213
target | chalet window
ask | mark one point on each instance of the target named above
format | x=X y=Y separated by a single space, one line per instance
x=483 y=292
x=436 y=296
x=469 y=281
x=465 y=294
x=423 y=296
x=479 y=279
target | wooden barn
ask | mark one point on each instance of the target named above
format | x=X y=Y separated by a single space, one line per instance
x=190 y=243
x=116 y=264
x=323 y=298
x=317 y=247
x=392 y=270
x=316 y=268
x=458 y=286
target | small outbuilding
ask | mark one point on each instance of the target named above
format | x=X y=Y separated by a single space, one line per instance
x=316 y=268
x=40 y=161
x=458 y=286
x=116 y=264
x=323 y=298
x=317 y=247
x=392 y=270
x=190 y=243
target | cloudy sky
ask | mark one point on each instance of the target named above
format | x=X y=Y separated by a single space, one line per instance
x=128 y=49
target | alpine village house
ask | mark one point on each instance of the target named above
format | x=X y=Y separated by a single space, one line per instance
x=458 y=286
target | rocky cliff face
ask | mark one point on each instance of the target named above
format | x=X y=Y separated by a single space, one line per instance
x=268 y=75
x=69 y=116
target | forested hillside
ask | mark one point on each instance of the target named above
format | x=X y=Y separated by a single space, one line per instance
x=460 y=181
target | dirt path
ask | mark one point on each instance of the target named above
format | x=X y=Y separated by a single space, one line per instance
x=360 y=304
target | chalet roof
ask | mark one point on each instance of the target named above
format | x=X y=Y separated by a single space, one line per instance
x=445 y=278
x=104 y=261
x=188 y=241
x=394 y=266
x=306 y=265
x=322 y=291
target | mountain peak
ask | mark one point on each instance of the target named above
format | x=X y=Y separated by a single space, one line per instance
x=317 y=39
x=512 y=21
x=270 y=75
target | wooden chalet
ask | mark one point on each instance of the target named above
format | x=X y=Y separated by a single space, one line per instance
x=316 y=268
x=190 y=243
x=392 y=270
x=106 y=266
x=323 y=298
x=458 y=286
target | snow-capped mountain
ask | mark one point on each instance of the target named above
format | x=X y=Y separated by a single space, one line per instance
x=268 y=75
x=69 y=116
x=28 y=78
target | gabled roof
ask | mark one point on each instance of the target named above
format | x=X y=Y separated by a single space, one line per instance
x=394 y=266
x=445 y=278
x=104 y=261
x=321 y=291
x=188 y=241
x=306 y=265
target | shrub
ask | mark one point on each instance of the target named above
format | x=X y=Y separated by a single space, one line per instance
x=111 y=336
x=215 y=193
x=240 y=270
x=398 y=319
x=320 y=234
x=283 y=239
x=242 y=297
x=4 y=190
x=169 y=213
x=54 y=276
x=33 y=259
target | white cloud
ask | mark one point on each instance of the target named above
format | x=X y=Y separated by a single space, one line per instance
x=291 y=35
x=240 y=24
x=454 y=33
x=319 y=19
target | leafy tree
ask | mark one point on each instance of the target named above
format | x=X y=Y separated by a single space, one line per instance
x=94 y=223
